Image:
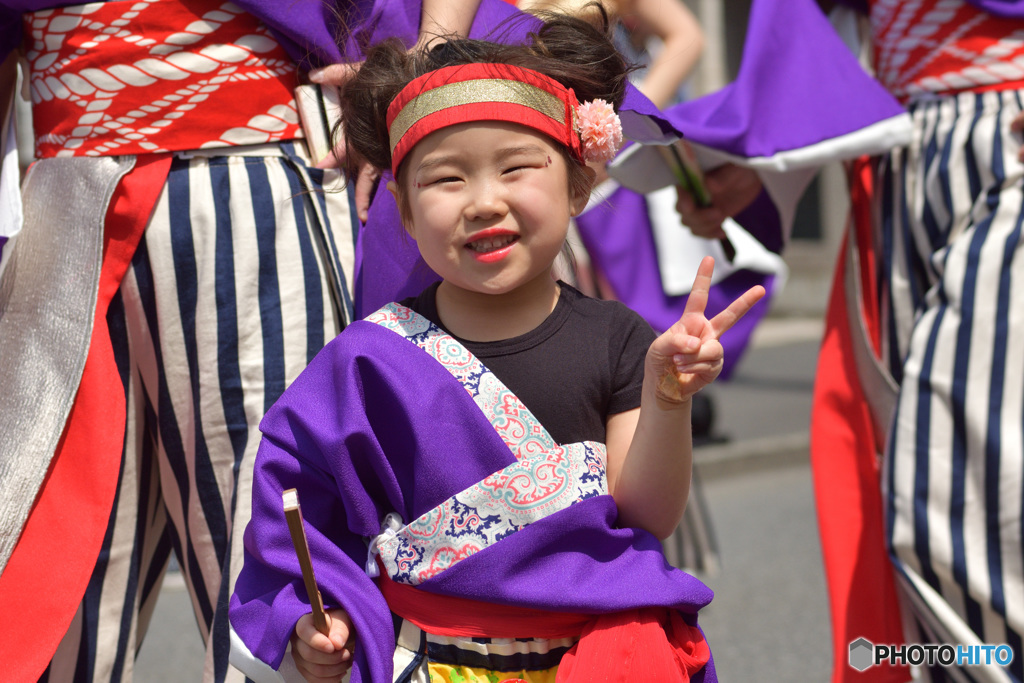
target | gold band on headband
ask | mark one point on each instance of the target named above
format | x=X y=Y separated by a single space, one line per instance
x=479 y=91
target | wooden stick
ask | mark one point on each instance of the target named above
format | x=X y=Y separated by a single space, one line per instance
x=293 y=513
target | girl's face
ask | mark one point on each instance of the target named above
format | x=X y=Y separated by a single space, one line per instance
x=488 y=204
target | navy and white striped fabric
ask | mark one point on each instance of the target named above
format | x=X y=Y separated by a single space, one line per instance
x=243 y=275
x=953 y=206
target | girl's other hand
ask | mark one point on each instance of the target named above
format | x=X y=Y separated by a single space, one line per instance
x=689 y=356
x=319 y=657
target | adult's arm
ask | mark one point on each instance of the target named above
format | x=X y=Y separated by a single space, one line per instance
x=446 y=17
x=682 y=44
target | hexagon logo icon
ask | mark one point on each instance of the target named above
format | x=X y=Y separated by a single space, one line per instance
x=861 y=651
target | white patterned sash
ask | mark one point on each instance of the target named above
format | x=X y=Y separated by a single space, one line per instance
x=546 y=477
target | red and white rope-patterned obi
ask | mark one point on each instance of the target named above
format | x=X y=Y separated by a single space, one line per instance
x=144 y=76
x=941 y=47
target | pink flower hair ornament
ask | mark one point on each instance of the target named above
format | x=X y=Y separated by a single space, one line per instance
x=600 y=130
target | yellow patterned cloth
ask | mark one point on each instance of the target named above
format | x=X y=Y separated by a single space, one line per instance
x=447 y=673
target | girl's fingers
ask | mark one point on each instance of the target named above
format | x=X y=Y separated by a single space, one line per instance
x=681 y=343
x=313 y=655
x=710 y=351
x=309 y=636
x=340 y=628
x=722 y=322
x=333 y=646
x=697 y=300
x=320 y=672
x=698 y=368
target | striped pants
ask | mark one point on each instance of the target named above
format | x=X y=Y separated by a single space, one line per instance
x=242 y=276
x=951 y=208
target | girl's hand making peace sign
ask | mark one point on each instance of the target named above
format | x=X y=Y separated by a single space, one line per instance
x=688 y=356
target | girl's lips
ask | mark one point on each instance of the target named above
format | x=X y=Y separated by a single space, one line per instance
x=492 y=256
x=492 y=245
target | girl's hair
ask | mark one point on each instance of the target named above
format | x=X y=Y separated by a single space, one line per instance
x=576 y=53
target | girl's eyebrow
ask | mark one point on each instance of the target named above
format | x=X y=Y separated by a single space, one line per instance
x=502 y=154
x=521 y=149
x=428 y=164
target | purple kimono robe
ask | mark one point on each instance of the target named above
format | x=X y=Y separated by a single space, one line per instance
x=376 y=425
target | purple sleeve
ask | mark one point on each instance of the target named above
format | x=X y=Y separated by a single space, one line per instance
x=789 y=93
x=307 y=29
x=10 y=31
x=352 y=437
x=1010 y=9
x=318 y=32
x=10 y=20
x=321 y=32
x=315 y=443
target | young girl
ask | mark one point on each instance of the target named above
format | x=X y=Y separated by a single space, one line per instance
x=485 y=469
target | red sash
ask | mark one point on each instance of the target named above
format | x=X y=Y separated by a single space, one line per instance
x=644 y=644
x=859 y=575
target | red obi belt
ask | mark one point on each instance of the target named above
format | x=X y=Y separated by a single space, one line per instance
x=933 y=47
x=126 y=77
x=644 y=644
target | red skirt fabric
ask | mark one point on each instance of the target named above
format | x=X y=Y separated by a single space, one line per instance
x=646 y=644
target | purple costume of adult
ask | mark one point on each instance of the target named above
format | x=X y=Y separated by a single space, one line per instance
x=774 y=118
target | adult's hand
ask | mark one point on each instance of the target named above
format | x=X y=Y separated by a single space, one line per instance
x=732 y=189
x=439 y=19
x=366 y=175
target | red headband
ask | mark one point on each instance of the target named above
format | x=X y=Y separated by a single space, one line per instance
x=481 y=92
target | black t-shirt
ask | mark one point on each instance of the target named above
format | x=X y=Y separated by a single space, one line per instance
x=582 y=364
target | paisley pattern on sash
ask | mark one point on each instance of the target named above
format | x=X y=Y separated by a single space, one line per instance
x=545 y=478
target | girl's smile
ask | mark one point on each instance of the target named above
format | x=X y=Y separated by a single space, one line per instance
x=492 y=245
